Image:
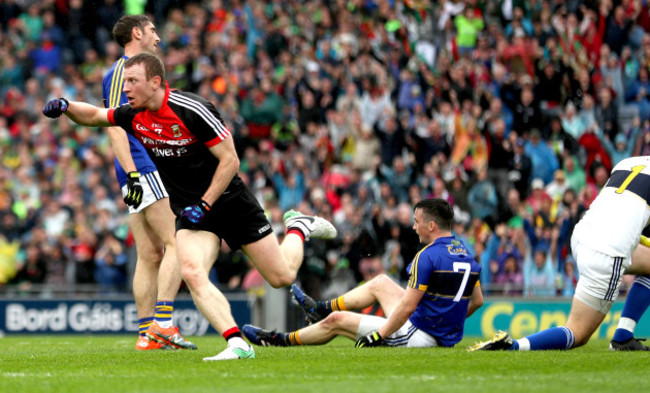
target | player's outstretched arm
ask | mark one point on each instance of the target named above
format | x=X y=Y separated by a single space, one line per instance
x=80 y=112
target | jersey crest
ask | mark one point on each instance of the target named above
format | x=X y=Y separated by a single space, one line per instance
x=455 y=247
x=176 y=131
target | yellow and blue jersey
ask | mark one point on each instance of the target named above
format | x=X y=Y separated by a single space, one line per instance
x=447 y=273
x=113 y=97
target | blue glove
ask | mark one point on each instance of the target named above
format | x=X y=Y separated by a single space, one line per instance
x=373 y=339
x=193 y=215
x=54 y=108
x=134 y=190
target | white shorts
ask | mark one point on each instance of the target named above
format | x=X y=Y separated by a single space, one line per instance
x=152 y=191
x=406 y=336
x=600 y=276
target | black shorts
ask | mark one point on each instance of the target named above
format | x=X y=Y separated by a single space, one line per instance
x=236 y=217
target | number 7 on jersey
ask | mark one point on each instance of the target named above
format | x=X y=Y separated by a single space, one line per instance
x=467 y=269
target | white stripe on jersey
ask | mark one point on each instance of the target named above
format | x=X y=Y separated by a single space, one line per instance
x=195 y=106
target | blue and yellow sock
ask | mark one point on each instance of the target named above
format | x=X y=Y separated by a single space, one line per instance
x=143 y=325
x=325 y=307
x=163 y=315
x=635 y=306
x=292 y=338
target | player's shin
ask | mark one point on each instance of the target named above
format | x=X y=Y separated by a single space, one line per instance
x=552 y=338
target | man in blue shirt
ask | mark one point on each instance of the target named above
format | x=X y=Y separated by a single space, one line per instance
x=443 y=290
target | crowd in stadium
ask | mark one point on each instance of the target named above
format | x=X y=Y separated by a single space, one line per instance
x=513 y=111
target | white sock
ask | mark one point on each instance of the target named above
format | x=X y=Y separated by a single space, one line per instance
x=238 y=342
x=627 y=324
x=165 y=324
x=524 y=344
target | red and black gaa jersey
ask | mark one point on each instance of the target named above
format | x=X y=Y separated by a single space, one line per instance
x=178 y=137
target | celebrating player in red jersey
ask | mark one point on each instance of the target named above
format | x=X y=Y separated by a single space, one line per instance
x=157 y=274
x=196 y=157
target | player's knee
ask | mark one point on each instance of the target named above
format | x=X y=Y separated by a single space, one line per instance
x=333 y=321
x=192 y=274
x=379 y=281
x=279 y=280
x=151 y=258
x=158 y=254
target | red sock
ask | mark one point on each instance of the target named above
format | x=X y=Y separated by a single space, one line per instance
x=232 y=332
x=297 y=232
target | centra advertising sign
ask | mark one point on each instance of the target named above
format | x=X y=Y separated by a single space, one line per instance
x=521 y=318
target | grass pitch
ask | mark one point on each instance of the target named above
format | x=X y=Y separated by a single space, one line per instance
x=110 y=364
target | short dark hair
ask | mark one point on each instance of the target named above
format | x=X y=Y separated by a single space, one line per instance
x=124 y=26
x=437 y=210
x=153 y=66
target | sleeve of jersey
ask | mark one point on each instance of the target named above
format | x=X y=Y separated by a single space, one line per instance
x=105 y=91
x=111 y=116
x=120 y=117
x=421 y=271
x=218 y=139
x=211 y=129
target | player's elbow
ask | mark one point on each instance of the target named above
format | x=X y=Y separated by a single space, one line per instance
x=477 y=304
x=232 y=164
x=408 y=309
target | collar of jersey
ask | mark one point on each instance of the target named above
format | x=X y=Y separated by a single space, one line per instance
x=445 y=239
x=164 y=103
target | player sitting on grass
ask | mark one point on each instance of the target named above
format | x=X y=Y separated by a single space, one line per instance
x=605 y=244
x=443 y=290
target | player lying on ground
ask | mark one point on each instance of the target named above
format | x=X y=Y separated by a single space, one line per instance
x=605 y=243
x=442 y=292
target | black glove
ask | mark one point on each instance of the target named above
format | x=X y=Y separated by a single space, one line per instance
x=134 y=190
x=372 y=339
x=193 y=215
x=54 y=108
